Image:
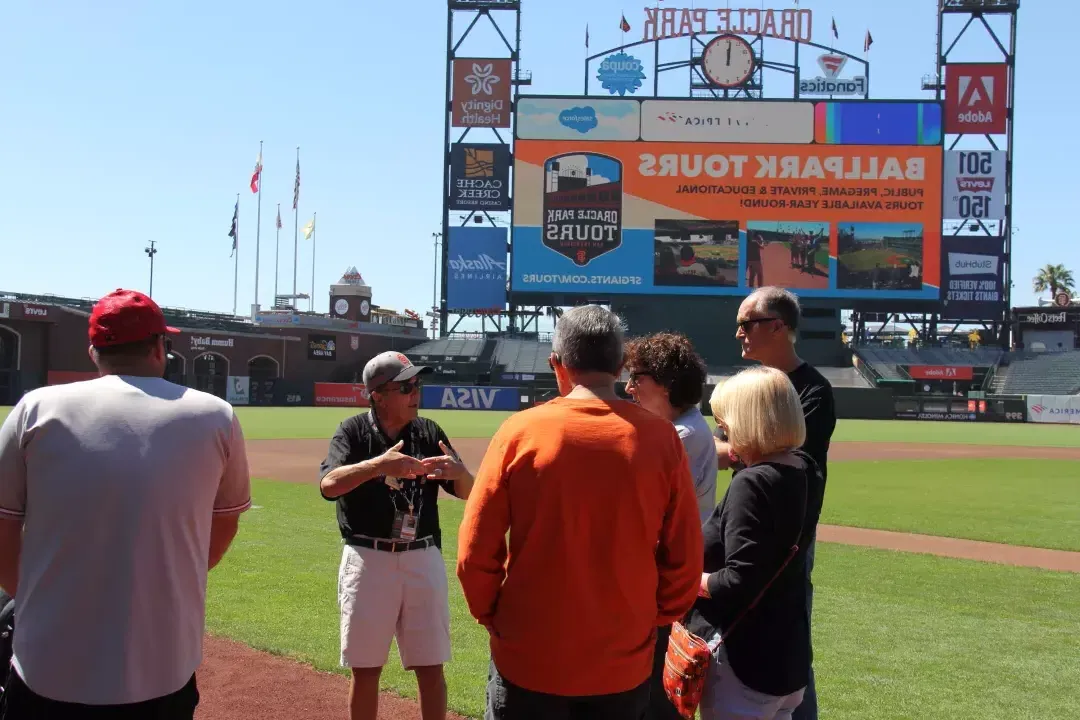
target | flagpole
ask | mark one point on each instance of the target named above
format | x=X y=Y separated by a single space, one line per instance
x=314 y=227
x=258 y=227
x=277 y=250
x=236 y=258
x=296 y=223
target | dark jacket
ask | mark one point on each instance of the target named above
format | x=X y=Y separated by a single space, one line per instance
x=765 y=511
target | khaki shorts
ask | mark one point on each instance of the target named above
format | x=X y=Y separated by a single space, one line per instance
x=383 y=595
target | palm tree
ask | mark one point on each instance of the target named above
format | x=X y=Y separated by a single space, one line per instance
x=1053 y=278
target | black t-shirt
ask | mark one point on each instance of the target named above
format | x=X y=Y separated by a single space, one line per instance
x=753 y=250
x=369 y=508
x=818 y=410
x=766 y=509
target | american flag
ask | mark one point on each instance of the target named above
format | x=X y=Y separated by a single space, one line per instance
x=296 y=187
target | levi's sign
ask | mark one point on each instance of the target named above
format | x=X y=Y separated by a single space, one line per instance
x=469 y=398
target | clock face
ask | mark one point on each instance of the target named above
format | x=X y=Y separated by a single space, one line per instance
x=364 y=307
x=728 y=61
x=341 y=306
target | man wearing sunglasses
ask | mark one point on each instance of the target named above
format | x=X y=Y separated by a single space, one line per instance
x=768 y=322
x=384 y=469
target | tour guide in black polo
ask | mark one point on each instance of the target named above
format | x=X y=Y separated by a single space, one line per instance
x=384 y=468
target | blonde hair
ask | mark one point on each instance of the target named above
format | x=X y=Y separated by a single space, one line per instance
x=761 y=410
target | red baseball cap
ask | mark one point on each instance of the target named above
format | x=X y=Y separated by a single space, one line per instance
x=126 y=316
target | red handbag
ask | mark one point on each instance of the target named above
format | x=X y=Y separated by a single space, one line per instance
x=688 y=656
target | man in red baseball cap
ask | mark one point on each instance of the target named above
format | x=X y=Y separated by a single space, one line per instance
x=121 y=491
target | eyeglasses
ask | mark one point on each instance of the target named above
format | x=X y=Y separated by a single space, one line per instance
x=633 y=378
x=552 y=360
x=404 y=388
x=744 y=325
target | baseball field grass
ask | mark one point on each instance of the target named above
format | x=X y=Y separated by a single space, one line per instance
x=896 y=635
x=320 y=423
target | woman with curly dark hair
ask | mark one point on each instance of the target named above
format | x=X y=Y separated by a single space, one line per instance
x=667 y=377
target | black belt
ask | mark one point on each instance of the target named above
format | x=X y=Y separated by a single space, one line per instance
x=394 y=546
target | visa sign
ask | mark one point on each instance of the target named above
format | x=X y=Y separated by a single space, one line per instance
x=469 y=397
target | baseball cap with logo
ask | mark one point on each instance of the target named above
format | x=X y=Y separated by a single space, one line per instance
x=126 y=316
x=390 y=366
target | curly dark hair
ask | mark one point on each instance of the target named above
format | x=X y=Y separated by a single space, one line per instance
x=670 y=360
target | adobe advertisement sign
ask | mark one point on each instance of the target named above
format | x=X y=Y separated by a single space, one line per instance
x=476 y=269
x=941 y=372
x=480 y=176
x=976 y=98
x=972 y=278
x=974 y=185
x=481 y=93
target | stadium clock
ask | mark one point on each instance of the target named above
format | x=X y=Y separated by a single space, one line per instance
x=728 y=61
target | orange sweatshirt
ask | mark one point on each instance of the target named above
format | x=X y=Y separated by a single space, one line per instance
x=605 y=544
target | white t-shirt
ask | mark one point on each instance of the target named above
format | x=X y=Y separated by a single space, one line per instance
x=701 y=452
x=117 y=479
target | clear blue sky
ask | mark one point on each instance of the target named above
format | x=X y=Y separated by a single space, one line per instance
x=128 y=121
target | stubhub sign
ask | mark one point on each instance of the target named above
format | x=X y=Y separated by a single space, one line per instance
x=469 y=397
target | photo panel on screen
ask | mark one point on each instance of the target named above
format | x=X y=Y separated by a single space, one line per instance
x=879 y=256
x=788 y=254
x=696 y=253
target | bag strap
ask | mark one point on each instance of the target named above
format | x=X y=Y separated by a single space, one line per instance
x=791 y=554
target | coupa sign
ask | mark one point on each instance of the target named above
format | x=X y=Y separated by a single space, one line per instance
x=467 y=397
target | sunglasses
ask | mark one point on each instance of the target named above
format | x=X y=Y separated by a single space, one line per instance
x=404 y=388
x=745 y=324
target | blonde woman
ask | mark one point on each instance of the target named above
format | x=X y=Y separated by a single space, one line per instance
x=753 y=590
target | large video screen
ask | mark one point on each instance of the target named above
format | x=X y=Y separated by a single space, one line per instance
x=713 y=197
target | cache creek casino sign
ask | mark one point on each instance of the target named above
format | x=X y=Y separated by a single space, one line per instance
x=594 y=182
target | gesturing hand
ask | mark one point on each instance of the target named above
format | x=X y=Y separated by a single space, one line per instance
x=395 y=464
x=445 y=466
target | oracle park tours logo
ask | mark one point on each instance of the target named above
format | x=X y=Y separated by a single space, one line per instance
x=582 y=206
x=831 y=66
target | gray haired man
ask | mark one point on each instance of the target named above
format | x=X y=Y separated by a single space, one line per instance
x=768 y=326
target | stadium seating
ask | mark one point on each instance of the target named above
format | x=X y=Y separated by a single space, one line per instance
x=1023 y=373
x=523 y=356
x=886 y=362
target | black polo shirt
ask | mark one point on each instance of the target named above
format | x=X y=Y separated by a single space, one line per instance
x=369 y=508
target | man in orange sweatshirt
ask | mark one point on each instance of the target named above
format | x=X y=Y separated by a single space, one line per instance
x=605 y=540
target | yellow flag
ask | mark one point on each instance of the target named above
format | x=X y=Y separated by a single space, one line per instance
x=309 y=228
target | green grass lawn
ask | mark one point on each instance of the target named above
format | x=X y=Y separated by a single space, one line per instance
x=320 y=423
x=284 y=423
x=1017 y=502
x=896 y=635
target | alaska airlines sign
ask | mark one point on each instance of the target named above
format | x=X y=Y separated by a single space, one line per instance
x=661 y=24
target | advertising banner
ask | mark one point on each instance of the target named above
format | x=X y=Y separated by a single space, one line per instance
x=972 y=278
x=341 y=395
x=238 y=391
x=976 y=98
x=480 y=176
x=1057 y=409
x=476 y=271
x=322 y=347
x=940 y=372
x=974 y=185
x=482 y=91
x=578 y=118
x=719 y=218
x=465 y=397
